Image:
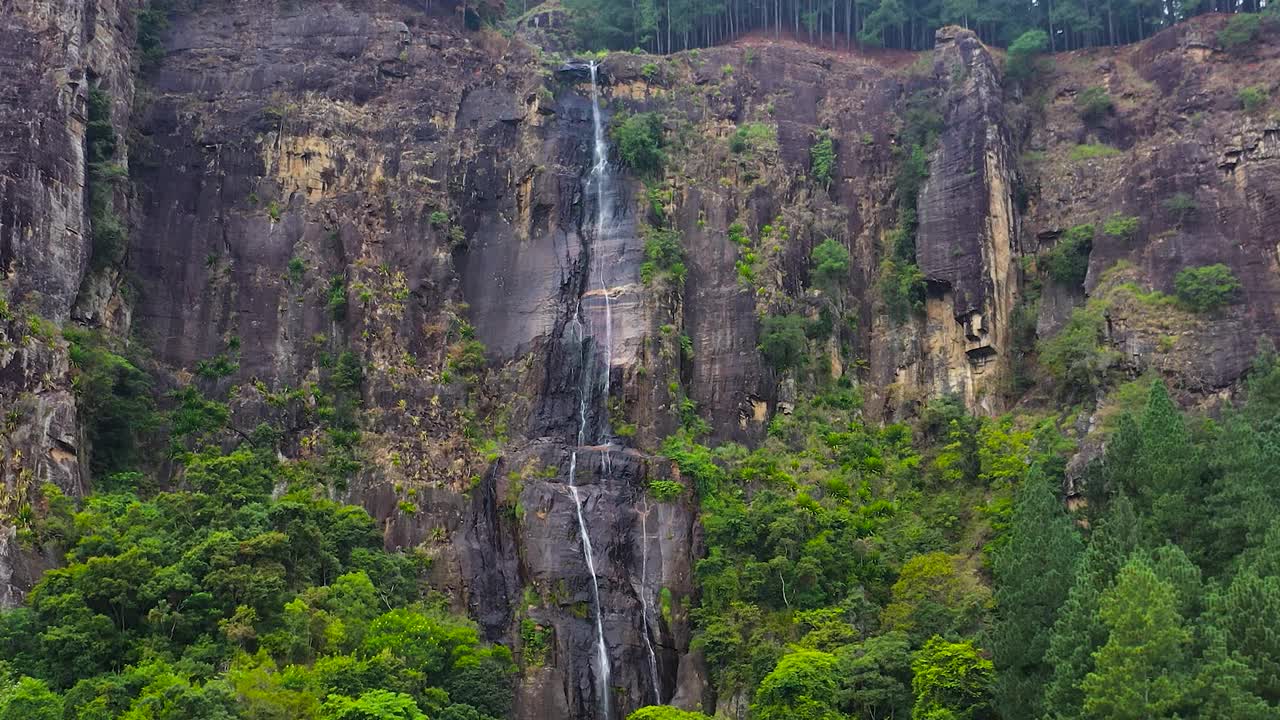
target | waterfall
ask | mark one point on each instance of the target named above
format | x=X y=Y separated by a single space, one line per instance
x=601 y=180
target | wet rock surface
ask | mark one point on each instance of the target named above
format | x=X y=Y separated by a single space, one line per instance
x=436 y=180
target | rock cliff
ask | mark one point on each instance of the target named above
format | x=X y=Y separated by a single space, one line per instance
x=368 y=178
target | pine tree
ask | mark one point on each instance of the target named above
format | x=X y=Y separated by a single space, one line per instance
x=1140 y=672
x=1168 y=472
x=1247 y=613
x=1078 y=630
x=1033 y=574
x=1224 y=683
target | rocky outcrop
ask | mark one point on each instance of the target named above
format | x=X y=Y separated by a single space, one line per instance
x=368 y=178
x=966 y=243
x=434 y=179
x=1200 y=176
x=51 y=54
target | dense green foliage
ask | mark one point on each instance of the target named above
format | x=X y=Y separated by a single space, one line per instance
x=1093 y=104
x=839 y=579
x=1206 y=288
x=822 y=158
x=239 y=590
x=1068 y=261
x=782 y=340
x=1076 y=357
x=665 y=27
x=1254 y=98
x=1022 y=63
x=663 y=256
x=830 y=265
x=638 y=139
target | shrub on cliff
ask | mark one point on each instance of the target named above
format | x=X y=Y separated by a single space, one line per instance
x=822 y=157
x=1206 y=288
x=902 y=288
x=1023 y=59
x=1075 y=357
x=1068 y=261
x=639 y=142
x=663 y=256
x=1119 y=225
x=782 y=341
x=1094 y=104
x=754 y=137
x=665 y=712
x=830 y=264
x=1241 y=31
x=1253 y=98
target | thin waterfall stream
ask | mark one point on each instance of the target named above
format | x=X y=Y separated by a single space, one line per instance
x=601 y=180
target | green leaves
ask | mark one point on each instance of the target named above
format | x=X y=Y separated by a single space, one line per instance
x=830 y=261
x=638 y=139
x=1138 y=673
x=1068 y=261
x=1022 y=58
x=372 y=705
x=822 y=158
x=783 y=341
x=952 y=681
x=1206 y=288
x=664 y=257
x=804 y=686
x=1094 y=104
x=1033 y=573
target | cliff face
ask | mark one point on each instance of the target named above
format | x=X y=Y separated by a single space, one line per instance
x=51 y=53
x=365 y=178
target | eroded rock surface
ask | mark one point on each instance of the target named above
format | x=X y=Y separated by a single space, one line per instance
x=365 y=177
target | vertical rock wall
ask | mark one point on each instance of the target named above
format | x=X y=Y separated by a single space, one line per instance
x=966 y=244
x=52 y=52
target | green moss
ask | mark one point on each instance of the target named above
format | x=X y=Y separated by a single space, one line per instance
x=1092 y=151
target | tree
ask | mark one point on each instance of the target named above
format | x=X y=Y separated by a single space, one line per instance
x=1068 y=261
x=1033 y=574
x=804 y=686
x=1022 y=60
x=1075 y=357
x=1078 y=629
x=1094 y=104
x=822 y=158
x=639 y=141
x=830 y=265
x=1247 y=614
x=1224 y=683
x=782 y=341
x=952 y=681
x=876 y=676
x=29 y=699
x=1141 y=670
x=1206 y=288
x=373 y=705
x=665 y=712
x=1167 y=474
x=934 y=594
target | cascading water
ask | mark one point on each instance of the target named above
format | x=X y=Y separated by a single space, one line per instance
x=601 y=180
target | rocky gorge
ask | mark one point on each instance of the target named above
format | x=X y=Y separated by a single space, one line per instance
x=303 y=182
